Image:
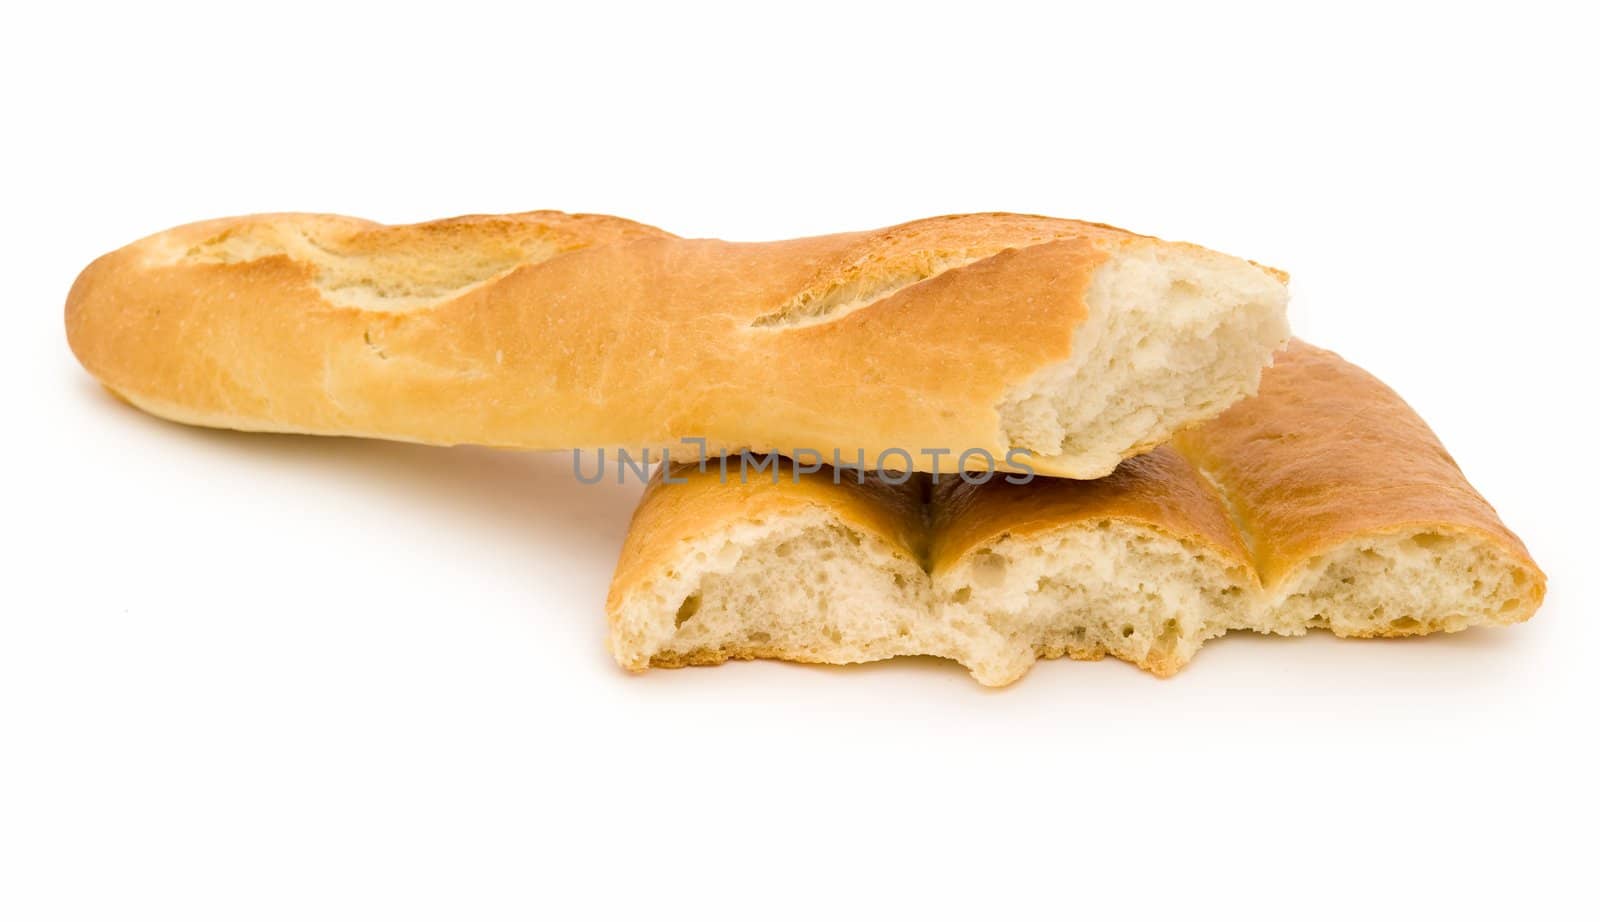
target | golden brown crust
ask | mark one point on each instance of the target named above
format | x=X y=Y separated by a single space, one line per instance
x=551 y=331
x=1325 y=458
x=1326 y=453
x=1161 y=490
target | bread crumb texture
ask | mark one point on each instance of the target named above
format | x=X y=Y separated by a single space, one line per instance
x=1323 y=502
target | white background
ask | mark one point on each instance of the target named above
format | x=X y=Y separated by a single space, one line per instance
x=258 y=677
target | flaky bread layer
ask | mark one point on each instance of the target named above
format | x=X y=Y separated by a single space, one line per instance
x=1323 y=502
x=1078 y=343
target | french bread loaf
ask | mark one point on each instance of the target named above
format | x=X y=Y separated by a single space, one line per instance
x=930 y=342
x=1322 y=502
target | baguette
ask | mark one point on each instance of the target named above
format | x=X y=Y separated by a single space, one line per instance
x=970 y=341
x=1322 y=502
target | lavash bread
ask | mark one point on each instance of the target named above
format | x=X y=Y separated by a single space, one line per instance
x=1080 y=343
x=1323 y=502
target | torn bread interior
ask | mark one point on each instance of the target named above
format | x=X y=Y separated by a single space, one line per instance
x=1323 y=502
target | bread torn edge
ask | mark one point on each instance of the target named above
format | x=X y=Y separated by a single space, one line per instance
x=1174 y=335
x=808 y=587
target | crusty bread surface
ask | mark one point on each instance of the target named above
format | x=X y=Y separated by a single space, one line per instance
x=1077 y=344
x=1323 y=502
